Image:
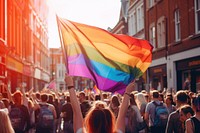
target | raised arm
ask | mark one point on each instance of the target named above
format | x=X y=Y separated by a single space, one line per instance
x=120 y=124
x=77 y=115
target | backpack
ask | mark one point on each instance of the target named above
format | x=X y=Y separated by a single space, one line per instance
x=17 y=118
x=45 y=117
x=161 y=115
x=195 y=124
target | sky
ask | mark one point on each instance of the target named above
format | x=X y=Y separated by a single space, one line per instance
x=99 y=13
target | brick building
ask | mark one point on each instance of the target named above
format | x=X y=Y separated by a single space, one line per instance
x=24 y=42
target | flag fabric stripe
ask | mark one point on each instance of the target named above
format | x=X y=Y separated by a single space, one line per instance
x=111 y=60
x=92 y=53
x=104 y=83
x=108 y=62
x=105 y=36
x=102 y=70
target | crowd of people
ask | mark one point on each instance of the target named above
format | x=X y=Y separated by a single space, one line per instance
x=49 y=111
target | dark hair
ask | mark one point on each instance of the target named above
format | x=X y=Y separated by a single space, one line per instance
x=17 y=96
x=196 y=102
x=182 y=96
x=44 y=97
x=132 y=99
x=97 y=97
x=50 y=99
x=37 y=94
x=155 y=94
x=187 y=109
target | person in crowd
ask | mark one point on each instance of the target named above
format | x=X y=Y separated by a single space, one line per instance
x=169 y=103
x=1 y=102
x=193 y=123
x=114 y=105
x=152 y=116
x=5 y=123
x=174 y=124
x=67 y=115
x=46 y=116
x=133 y=116
x=19 y=114
x=141 y=102
x=32 y=116
x=186 y=112
x=161 y=97
x=85 y=104
x=51 y=100
x=99 y=119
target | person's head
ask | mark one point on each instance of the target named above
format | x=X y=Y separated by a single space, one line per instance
x=37 y=94
x=5 y=123
x=44 y=97
x=140 y=99
x=161 y=97
x=99 y=119
x=196 y=103
x=68 y=99
x=97 y=97
x=115 y=100
x=50 y=99
x=82 y=96
x=6 y=102
x=132 y=99
x=181 y=97
x=155 y=94
x=17 y=97
x=169 y=100
x=186 y=112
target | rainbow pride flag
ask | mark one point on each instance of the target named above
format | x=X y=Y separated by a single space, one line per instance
x=112 y=61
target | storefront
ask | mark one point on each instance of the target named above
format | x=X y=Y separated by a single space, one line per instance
x=28 y=76
x=188 y=74
x=15 y=70
x=158 y=77
x=2 y=74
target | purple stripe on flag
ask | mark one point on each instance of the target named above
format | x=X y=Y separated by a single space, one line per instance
x=101 y=82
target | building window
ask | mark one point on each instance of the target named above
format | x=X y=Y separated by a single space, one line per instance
x=152 y=35
x=161 y=32
x=140 y=18
x=197 y=16
x=151 y=3
x=177 y=25
x=132 y=24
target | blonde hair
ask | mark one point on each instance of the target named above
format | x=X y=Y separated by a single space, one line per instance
x=140 y=99
x=5 y=123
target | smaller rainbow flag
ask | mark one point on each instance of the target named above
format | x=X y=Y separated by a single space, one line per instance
x=112 y=61
x=96 y=90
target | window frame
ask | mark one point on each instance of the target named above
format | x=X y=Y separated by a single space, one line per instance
x=177 y=25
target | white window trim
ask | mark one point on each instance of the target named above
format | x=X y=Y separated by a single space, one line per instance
x=196 y=16
x=151 y=3
x=140 y=17
x=151 y=38
x=161 y=32
x=177 y=25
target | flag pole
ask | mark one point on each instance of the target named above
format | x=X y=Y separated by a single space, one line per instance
x=62 y=44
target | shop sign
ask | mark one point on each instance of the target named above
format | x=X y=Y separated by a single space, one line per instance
x=37 y=73
x=45 y=77
x=194 y=63
x=14 y=65
x=158 y=70
x=27 y=70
